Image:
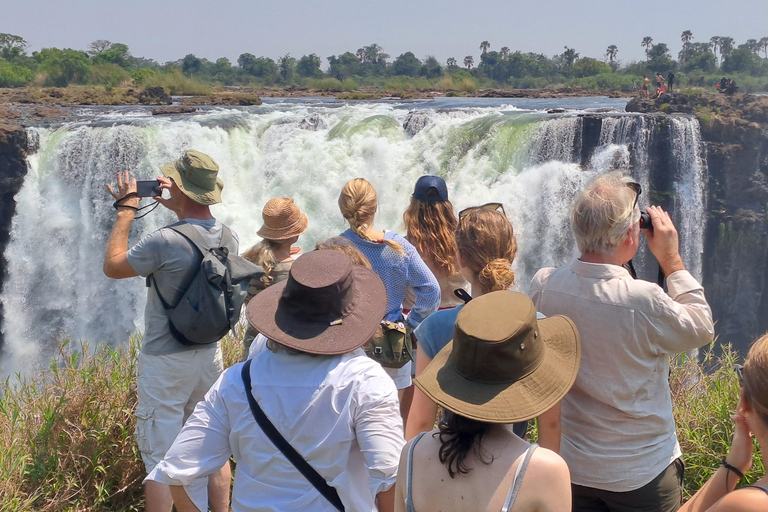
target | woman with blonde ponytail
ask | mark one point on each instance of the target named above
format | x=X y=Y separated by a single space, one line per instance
x=486 y=249
x=393 y=258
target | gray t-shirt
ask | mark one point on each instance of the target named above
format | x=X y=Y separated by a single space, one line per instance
x=173 y=261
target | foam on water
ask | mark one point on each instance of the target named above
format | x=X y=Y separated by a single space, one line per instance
x=527 y=160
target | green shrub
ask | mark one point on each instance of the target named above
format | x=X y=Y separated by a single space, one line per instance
x=177 y=84
x=324 y=84
x=12 y=75
x=109 y=75
x=140 y=76
x=349 y=85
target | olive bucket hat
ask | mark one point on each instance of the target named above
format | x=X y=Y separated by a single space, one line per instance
x=503 y=365
x=195 y=173
x=326 y=306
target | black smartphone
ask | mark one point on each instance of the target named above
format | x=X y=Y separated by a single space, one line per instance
x=148 y=188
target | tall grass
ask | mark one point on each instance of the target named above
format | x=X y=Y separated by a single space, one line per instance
x=177 y=84
x=66 y=437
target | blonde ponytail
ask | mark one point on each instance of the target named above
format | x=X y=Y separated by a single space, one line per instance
x=497 y=275
x=358 y=204
x=487 y=245
x=263 y=254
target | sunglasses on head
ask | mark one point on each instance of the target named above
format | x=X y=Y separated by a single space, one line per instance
x=638 y=190
x=739 y=373
x=487 y=206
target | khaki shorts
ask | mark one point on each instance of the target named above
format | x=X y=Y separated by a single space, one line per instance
x=169 y=386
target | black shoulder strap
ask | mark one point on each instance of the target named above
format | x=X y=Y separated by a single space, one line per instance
x=317 y=481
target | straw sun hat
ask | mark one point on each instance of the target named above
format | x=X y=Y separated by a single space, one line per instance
x=326 y=306
x=282 y=219
x=503 y=366
x=196 y=175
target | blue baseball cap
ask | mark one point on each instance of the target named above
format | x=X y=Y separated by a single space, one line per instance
x=430 y=188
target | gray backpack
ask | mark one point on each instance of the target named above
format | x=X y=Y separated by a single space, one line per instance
x=211 y=302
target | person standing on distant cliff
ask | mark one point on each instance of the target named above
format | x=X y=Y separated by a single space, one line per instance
x=618 y=431
x=171 y=377
x=646 y=86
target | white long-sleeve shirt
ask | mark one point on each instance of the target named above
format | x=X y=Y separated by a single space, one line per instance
x=340 y=412
x=618 y=432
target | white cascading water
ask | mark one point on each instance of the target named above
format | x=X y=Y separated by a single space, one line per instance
x=689 y=212
x=55 y=288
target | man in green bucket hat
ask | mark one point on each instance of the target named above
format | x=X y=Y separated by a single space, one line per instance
x=172 y=377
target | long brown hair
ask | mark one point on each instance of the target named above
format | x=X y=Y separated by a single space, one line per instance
x=756 y=377
x=430 y=226
x=487 y=245
x=358 y=204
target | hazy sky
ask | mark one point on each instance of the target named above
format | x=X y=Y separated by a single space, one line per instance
x=167 y=30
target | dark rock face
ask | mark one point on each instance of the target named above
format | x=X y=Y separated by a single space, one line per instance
x=13 y=169
x=154 y=96
x=736 y=242
x=183 y=109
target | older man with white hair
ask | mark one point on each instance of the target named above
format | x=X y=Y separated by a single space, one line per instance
x=618 y=432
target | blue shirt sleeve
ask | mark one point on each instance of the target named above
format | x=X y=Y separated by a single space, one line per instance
x=436 y=331
x=422 y=281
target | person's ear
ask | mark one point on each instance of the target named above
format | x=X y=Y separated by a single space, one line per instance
x=743 y=407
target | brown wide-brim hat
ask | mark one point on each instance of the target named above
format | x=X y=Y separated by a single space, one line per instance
x=282 y=219
x=196 y=175
x=503 y=365
x=326 y=306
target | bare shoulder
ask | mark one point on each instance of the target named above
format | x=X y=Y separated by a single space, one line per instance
x=547 y=462
x=742 y=500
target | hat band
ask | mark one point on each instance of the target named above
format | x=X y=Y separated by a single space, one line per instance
x=327 y=305
x=511 y=377
x=289 y=226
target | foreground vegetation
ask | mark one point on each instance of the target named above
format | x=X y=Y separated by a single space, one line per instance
x=66 y=437
x=110 y=64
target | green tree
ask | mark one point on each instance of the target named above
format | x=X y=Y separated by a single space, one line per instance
x=287 y=65
x=611 y=52
x=13 y=75
x=308 y=66
x=763 y=43
x=484 y=46
x=431 y=68
x=660 y=60
x=63 y=67
x=451 y=62
x=589 y=67
x=566 y=59
x=344 y=66
x=262 y=67
x=406 y=65
x=743 y=60
x=191 y=65
x=504 y=52
x=752 y=45
x=113 y=53
x=12 y=47
x=686 y=37
x=699 y=56
x=726 y=47
x=647 y=44
x=469 y=61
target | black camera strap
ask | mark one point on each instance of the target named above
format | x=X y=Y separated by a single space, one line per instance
x=317 y=481
x=130 y=195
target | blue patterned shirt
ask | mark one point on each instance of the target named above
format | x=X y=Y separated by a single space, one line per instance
x=399 y=272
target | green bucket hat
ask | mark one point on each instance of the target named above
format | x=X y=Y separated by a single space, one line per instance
x=195 y=174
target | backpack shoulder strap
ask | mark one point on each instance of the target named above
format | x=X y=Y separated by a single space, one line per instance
x=317 y=481
x=190 y=232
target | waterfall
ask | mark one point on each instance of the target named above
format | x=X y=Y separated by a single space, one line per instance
x=689 y=214
x=527 y=160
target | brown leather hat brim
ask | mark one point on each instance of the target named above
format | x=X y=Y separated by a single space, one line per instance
x=369 y=305
x=513 y=402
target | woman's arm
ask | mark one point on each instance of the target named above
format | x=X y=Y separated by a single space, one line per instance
x=423 y=411
x=549 y=427
x=424 y=284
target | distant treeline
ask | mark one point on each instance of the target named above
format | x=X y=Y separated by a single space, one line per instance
x=111 y=64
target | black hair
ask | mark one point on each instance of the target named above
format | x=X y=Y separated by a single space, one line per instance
x=458 y=436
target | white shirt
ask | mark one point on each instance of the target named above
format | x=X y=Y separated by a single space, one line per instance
x=340 y=412
x=618 y=432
